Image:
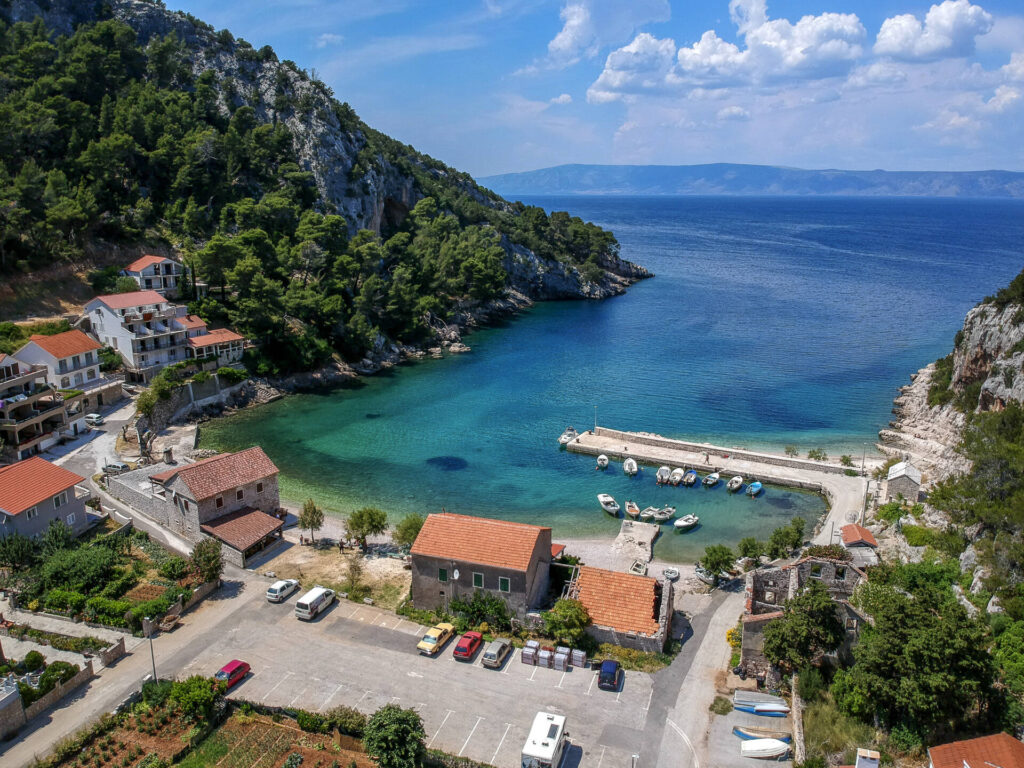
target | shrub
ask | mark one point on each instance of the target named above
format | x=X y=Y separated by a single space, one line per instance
x=817 y=454
x=846 y=460
x=120 y=585
x=155 y=693
x=721 y=706
x=483 y=607
x=312 y=722
x=195 y=697
x=830 y=551
x=174 y=568
x=231 y=376
x=850 y=472
x=64 y=600
x=890 y=512
x=812 y=685
x=57 y=672
x=792 y=451
x=347 y=720
x=33 y=660
x=904 y=740
x=918 y=536
x=294 y=760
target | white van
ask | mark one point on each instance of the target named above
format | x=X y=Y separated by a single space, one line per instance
x=545 y=746
x=313 y=602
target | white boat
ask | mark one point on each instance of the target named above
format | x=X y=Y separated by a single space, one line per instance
x=766 y=749
x=670 y=573
x=705 y=575
x=677 y=476
x=712 y=479
x=632 y=509
x=690 y=477
x=686 y=522
x=608 y=504
x=663 y=475
x=568 y=436
x=735 y=484
x=648 y=513
x=629 y=466
x=664 y=514
x=602 y=462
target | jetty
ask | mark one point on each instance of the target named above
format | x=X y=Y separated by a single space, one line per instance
x=844 y=494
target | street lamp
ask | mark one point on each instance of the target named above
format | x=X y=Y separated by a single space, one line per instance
x=149 y=634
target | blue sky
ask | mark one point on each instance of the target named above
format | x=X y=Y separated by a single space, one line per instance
x=492 y=86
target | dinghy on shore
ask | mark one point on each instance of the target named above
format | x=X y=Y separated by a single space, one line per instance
x=751 y=732
x=765 y=749
x=629 y=466
x=734 y=484
x=765 y=709
x=608 y=504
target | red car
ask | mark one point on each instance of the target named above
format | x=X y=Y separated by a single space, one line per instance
x=468 y=645
x=232 y=672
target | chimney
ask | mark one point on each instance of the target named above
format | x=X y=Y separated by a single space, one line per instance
x=168 y=456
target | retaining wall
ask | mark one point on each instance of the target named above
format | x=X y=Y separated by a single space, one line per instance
x=60 y=691
x=797 y=715
x=111 y=654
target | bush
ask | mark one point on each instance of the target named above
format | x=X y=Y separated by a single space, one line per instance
x=905 y=741
x=846 y=460
x=311 y=722
x=64 y=600
x=174 y=568
x=294 y=760
x=817 y=454
x=106 y=611
x=483 y=607
x=812 y=685
x=347 y=720
x=33 y=661
x=155 y=693
x=57 y=672
x=829 y=551
x=231 y=376
x=890 y=512
x=918 y=536
x=721 y=706
x=194 y=697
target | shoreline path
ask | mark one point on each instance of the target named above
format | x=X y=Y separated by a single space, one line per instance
x=845 y=495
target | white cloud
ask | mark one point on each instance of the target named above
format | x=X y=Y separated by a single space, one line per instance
x=1004 y=98
x=875 y=74
x=589 y=25
x=735 y=112
x=1015 y=69
x=563 y=98
x=643 y=65
x=948 y=31
x=328 y=38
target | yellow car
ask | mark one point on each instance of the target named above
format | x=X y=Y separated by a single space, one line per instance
x=435 y=638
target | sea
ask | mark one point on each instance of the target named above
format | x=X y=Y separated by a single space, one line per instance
x=770 y=322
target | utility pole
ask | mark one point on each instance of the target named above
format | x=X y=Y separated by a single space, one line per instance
x=149 y=634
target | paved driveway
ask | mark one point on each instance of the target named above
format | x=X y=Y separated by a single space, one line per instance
x=365 y=658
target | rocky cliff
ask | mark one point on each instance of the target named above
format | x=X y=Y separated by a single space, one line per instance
x=371 y=180
x=984 y=372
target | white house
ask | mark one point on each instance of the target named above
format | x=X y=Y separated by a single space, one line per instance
x=221 y=344
x=143 y=327
x=156 y=273
x=32 y=413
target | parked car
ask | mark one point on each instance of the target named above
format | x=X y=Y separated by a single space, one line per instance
x=313 y=602
x=496 y=653
x=435 y=638
x=468 y=645
x=610 y=676
x=93 y=419
x=279 y=590
x=115 y=467
x=232 y=672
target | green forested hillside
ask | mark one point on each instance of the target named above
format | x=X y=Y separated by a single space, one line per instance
x=105 y=141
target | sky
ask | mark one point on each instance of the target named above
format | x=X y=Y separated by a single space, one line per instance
x=496 y=86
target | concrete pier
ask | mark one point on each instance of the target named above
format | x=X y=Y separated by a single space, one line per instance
x=844 y=494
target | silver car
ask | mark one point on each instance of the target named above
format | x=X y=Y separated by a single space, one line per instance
x=279 y=590
x=496 y=652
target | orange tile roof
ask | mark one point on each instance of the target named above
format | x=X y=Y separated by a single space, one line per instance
x=66 y=344
x=479 y=540
x=624 y=602
x=242 y=528
x=146 y=261
x=217 y=336
x=132 y=299
x=857 y=534
x=191 y=322
x=224 y=472
x=29 y=482
x=557 y=550
x=1000 y=750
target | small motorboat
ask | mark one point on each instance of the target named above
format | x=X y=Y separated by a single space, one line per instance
x=690 y=478
x=648 y=513
x=629 y=466
x=754 y=488
x=751 y=732
x=568 y=436
x=710 y=481
x=686 y=523
x=676 y=477
x=664 y=473
x=602 y=462
x=664 y=514
x=608 y=504
x=670 y=573
x=766 y=749
x=765 y=709
x=705 y=575
x=734 y=484
x=632 y=509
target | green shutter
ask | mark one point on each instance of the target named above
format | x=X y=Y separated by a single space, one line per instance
x=503 y=584
x=442 y=574
x=478 y=580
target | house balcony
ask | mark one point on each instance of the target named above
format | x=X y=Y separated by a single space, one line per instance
x=68 y=367
x=33 y=415
x=9 y=405
x=26 y=373
x=146 y=316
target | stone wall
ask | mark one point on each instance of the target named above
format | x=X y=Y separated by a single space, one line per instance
x=60 y=691
x=12 y=713
x=111 y=654
x=649 y=643
x=797 y=713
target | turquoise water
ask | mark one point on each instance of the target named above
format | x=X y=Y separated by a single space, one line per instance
x=770 y=322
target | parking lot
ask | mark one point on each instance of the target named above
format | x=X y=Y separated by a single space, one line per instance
x=363 y=657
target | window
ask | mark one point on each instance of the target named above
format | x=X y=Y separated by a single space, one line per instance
x=60 y=500
x=70 y=518
x=259 y=487
x=504 y=585
x=442 y=574
x=841 y=573
x=92 y=374
x=238 y=494
x=65 y=383
x=815 y=571
x=478 y=580
x=31 y=513
x=851 y=625
x=220 y=502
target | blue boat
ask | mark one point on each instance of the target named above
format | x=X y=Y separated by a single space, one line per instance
x=751 y=732
x=690 y=477
x=754 y=488
x=764 y=710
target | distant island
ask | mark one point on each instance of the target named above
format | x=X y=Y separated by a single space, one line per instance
x=737 y=179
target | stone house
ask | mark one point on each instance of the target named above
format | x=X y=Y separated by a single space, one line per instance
x=72 y=363
x=455 y=556
x=861 y=544
x=231 y=497
x=33 y=415
x=768 y=589
x=903 y=481
x=625 y=609
x=35 y=493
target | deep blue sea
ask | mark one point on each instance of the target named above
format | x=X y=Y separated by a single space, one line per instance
x=771 y=321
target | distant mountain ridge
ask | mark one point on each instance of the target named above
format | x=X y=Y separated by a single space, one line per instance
x=737 y=179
